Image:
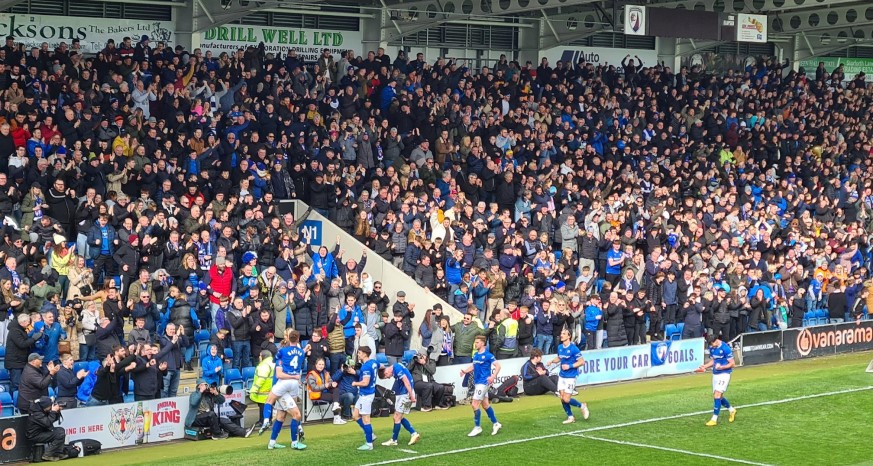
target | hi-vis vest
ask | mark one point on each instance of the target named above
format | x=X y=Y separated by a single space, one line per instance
x=510 y=341
x=313 y=395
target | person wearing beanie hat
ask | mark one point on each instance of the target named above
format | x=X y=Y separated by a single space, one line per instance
x=248 y=257
x=128 y=257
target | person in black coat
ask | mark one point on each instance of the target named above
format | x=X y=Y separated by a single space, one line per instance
x=127 y=257
x=62 y=207
x=171 y=344
x=147 y=374
x=44 y=413
x=261 y=324
x=18 y=347
x=107 y=336
x=68 y=382
x=615 y=332
x=112 y=377
x=35 y=381
x=798 y=309
x=396 y=334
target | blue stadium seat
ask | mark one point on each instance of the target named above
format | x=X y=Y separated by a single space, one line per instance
x=381 y=358
x=5 y=382
x=81 y=365
x=8 y=409
x=822 y=316
x=248 y=375
x=201 y=335
x=53 y=392
x=234 y=379
x=680 y=327
x=670 y=330
x=408 y=355
x=808 y=318
x=203 y=348
x=129 y=398
x=228 y=353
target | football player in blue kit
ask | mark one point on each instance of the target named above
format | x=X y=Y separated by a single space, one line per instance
x=485 y=369
x=286 y=387
x=366 y=384
x=721 y=360
x=571 y=360
x=405 y=398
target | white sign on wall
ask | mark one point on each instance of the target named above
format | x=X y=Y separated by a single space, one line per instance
x=92 y=33
x=598 y=56
x=308 y=43
x=128 y=424
x=751 y=28
x=635 y=20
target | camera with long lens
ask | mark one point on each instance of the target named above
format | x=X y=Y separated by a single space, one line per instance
x=223 y=389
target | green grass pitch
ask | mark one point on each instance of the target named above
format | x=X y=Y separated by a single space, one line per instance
x=810 y=412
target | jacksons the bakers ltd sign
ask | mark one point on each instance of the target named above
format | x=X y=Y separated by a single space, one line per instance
x=92 y=33
x=308 y=43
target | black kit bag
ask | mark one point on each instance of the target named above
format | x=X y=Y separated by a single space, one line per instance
x=383 y=402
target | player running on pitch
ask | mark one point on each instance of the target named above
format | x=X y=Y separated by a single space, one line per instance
x=364 y=405
x=483 y=377
x=721 y=359
x=571 y=360
x=405 y=398
x=286 y=386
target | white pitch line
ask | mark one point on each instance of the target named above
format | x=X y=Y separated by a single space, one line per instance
x=411 y=452
x=671 y=450
x=616 y=426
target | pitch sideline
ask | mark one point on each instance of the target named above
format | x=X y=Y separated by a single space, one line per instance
x=617 y=426
x=671 y=450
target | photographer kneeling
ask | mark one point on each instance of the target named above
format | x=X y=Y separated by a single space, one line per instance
x=44 y=413
x=535 y=377
x=203 y=402
x=427 y=390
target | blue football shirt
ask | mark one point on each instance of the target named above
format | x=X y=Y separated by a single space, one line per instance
x=400 y=373
x=482 y=363
x=721 y=356
x=569 y=355
x=368 y=368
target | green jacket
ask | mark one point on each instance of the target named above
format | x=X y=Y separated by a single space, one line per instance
x=464 y=337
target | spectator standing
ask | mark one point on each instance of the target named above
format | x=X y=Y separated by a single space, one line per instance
x=397 y=334
x=170 y=358
x=35 y=381
x=19 y=346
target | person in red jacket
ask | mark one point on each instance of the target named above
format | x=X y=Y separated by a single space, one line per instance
x=221 y=284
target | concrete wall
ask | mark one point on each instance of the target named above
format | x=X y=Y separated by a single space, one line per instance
x=393 y=279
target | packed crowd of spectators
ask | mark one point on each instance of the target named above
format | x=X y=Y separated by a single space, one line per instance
x=140 y=186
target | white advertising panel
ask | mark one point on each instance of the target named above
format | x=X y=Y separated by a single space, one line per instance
x=598 y=55
x=751 y=28
x=92 y=33
x=309 y=43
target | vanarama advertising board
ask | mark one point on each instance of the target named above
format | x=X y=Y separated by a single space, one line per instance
x=308 y=43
